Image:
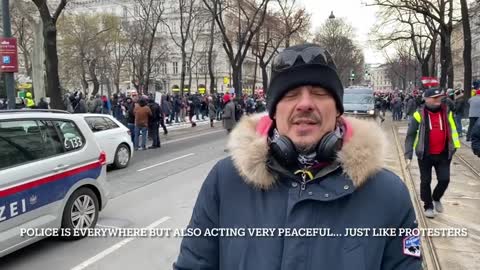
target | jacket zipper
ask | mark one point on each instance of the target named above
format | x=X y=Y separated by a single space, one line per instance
x=304 y=182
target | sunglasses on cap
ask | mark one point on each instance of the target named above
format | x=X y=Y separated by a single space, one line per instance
x=311 y=55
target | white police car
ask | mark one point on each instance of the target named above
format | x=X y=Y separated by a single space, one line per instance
x=52 y=175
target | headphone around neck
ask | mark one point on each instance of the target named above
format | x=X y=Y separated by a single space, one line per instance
x=285 y=152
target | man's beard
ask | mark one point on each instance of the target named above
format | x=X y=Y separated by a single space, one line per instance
x=305 y=149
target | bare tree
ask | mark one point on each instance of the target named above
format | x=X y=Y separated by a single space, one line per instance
x=295 y=20
x=407 y=26
x=267 y=42
x=442 y=12
x=143 y=54
x=187 y=11
x=23 y=31
x=50 y=44
x=247 y=17
x=211 y=43
x=467 y=52
x=335 y=35
x=85 y=45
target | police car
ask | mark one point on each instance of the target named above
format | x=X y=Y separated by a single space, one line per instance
x=52 y=175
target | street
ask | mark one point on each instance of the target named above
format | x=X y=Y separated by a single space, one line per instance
x=159 y=187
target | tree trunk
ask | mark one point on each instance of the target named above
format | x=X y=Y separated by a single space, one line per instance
x=51 y=62
x=449 y=64
x=38 y=61
x=91 y=69
x=182 y=72
x=425 y=68
x=443 y=60
x=467 y=54
x=263 y=66
x=116 y=82
x=190 y=76
x=236 y=77
x=255 y=75
x=211 y=72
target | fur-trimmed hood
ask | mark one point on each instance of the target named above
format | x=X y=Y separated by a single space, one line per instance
x=361 y=156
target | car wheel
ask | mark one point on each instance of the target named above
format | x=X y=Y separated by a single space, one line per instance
x=122 y=156
x=81 y=212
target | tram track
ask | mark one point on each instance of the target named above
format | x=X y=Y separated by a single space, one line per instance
x=430 y=256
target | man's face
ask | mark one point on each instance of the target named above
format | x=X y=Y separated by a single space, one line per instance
x=305 y=114
x=434 y=101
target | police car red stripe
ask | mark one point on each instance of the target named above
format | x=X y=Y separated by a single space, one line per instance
x=49 y=179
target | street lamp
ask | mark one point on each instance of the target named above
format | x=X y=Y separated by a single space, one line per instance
x=331 y=17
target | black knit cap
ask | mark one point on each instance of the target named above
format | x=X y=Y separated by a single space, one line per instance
x=319 y=71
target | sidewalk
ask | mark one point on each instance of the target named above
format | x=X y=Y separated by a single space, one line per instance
x=462 y=208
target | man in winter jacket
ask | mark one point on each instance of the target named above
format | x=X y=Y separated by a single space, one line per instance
x=476 y=138
x=229 y=119
x=154 y=122
x=302 y=166
x=459 y=111
x=433 y=135
x=473 y=114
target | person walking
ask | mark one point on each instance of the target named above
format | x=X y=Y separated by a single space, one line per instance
x=476 y=138
x=459 y=111
x=304 y=165
x=142 y=114
x=191 y=111
x=433 y=135
x=473 y=114
x=410 y=108
x=228 y=117
x=211 y=111
x=154 y=123
x=42 y=104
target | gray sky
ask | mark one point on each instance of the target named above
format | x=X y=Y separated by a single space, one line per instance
x=354 y=12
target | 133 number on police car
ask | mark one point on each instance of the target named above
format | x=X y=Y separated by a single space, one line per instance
x=73 y=143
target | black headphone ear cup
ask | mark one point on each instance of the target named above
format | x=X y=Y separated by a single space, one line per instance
x=328 y=147
x=284 y=151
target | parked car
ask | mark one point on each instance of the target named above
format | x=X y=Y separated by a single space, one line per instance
x=113 y=137
x=52 y=175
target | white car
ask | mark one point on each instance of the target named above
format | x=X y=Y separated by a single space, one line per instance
x=52 y=175
x=113 y=137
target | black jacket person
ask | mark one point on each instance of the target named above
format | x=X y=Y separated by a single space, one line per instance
x=302 y=166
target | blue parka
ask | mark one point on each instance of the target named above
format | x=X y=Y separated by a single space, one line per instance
x=250 y=190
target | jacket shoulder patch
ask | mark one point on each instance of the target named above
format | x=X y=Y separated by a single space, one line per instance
x=411 y=246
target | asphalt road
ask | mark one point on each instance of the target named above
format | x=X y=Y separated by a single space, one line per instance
x=157 y=190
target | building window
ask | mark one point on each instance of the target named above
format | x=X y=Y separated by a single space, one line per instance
x=136 y=10
x=163 y=68
x=175 y=67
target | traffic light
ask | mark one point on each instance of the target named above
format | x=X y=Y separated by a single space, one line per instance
x=352 y=75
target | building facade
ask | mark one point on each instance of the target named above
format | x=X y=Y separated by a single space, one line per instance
x=166 y=70
x=379 y=79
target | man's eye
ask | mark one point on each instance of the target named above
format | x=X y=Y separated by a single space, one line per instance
x=291 y=94
x=319 y=93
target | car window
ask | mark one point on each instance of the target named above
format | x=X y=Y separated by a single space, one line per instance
x=71 y=136
x=97 y=124
x=27 y=140
x=357 y=99
x=110 y=123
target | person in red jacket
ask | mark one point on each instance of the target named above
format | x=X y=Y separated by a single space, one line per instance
x=433 y=135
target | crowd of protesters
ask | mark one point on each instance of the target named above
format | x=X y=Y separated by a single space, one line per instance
x=143 y=115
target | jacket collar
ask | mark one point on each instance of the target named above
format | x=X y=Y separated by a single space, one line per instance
x=362 y=154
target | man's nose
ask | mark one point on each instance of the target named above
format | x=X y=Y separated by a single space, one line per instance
x=305 y=101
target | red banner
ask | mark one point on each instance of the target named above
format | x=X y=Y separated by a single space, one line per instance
x=8 y=55
x=429 y=81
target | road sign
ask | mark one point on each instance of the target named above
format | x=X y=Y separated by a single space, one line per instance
x=226 y=80
x=8 y=55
